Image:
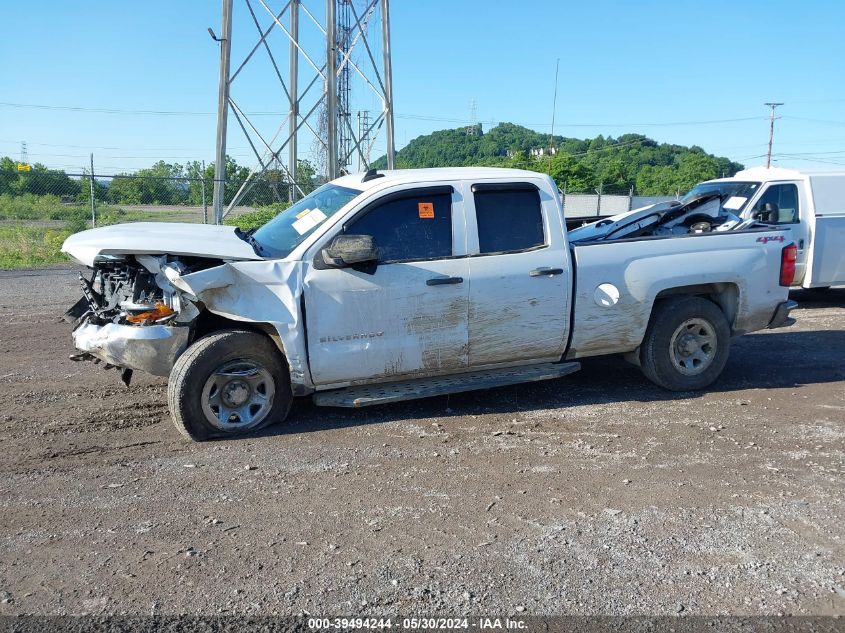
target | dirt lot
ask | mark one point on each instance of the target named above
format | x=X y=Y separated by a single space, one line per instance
x=597 y=493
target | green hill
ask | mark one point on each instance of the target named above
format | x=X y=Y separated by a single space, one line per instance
x=579 y=165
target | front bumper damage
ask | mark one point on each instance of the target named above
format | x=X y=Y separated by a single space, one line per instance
x=152 y=348
x=130 y=317
x=140 y=312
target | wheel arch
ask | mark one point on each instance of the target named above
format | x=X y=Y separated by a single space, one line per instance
x=655 y=354
x=208 y=322
x=247 y=353
x=726 y=295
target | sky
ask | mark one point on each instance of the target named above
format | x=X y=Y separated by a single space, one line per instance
x=132 y=82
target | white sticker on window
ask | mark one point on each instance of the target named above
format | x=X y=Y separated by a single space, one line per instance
x=308 y=221
x=734 y=202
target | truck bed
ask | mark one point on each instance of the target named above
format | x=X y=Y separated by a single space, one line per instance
x=617 y=282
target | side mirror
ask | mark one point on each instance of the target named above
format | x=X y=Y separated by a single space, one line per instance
x=346 y=250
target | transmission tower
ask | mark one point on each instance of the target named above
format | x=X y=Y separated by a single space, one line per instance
x=365 y=139
x=24 y=153
x=346 y=137
x=344 y=52
x=472 y=130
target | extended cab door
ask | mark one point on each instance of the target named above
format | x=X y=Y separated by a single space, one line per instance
x=407 y=314
x=520 y=275
x=790 y=208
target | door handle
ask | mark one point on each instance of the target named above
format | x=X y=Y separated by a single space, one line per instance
x=444 y=281
x=540 y=272
x=800 y=245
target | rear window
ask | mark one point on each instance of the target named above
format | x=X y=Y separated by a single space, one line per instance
x=508 y=220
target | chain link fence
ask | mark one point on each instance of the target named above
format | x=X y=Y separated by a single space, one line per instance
x=40 y=207
x=589 y=205
x=53 y=195
x=49 y=195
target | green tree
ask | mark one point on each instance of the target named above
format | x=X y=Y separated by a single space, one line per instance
x=101 y=192
x=571 y=174
x=159 y=184
x=631 y=160
x=39 y=180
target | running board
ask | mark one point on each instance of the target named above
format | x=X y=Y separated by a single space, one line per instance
x=382 y=393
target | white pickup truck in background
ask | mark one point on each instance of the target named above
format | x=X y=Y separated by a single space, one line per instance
x=810 y=203
x=393 y=285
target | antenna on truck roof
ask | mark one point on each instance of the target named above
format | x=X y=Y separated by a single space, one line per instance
x=371 y=174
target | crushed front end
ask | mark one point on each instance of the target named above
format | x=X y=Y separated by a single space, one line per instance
x=130 y=316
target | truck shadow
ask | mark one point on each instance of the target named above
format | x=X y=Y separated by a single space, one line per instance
x=830 y=298
x=780 y=359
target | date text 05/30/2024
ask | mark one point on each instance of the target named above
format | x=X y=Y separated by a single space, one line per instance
x=481 y=624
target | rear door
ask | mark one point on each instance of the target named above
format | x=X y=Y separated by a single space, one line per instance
x=407 y=315
x=826 y=264
x=520 y=277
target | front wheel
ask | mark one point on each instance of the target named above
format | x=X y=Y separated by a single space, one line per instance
x=686 y=345
x=229 y=383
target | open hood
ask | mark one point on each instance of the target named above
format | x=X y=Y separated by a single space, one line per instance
x=158 y=238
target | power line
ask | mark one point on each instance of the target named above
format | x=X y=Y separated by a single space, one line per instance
x=810 y=159
x=811 y=153
x=417 y=117
x=149 y=149
x=594 y=125
x=809 y=120
x=39 y=106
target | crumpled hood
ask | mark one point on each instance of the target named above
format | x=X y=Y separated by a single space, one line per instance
x=158 y=238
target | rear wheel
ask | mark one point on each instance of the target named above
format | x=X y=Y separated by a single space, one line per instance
x=686 y=345
x=228 y=383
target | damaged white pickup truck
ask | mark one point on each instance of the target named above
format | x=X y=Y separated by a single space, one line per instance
x=393 y=285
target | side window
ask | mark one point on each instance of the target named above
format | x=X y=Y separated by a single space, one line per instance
x=784 y=199
x=417 y=226
x=508 y=219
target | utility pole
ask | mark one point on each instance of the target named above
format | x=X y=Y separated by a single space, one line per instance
x=331 y=89
x=93 y=207
x=772 y=105
x=293 y=92
x=554 y=109
x=388 y=82
x=225 y=41
x=204 y=199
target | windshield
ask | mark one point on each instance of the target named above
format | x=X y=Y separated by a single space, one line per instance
x=286 y=231
x=735 y=195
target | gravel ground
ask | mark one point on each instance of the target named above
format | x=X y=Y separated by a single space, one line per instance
x=594 y=494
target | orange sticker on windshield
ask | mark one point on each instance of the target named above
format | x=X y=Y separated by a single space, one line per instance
x=426 y=210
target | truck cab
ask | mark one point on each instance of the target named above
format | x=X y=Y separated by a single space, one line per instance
x=811 y=204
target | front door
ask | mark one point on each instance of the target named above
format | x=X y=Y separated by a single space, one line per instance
x=519 y=266
x=785 y=201
x=408 y=317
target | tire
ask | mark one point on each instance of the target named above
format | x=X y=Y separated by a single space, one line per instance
x=228 y=383
x=686 y=344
